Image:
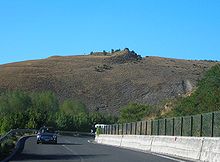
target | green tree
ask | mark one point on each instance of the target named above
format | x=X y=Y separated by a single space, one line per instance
x=37 y=118
x=6 y=124
x=95 y=118
x=14 y=101
x=65 y=122
x=134 y=112
x=82 y=121
x=73 y=107
x=46 y=101
x=4 y=106
x=18 y=101
x=34 y=110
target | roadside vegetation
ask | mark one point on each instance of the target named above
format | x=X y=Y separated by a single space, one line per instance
x=32 y=110
x=206 y=98
x=136 y=112
x=7 y=146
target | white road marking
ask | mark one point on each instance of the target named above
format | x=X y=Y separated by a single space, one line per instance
x=89 y=141
x=70 y=150
x=155 y=154
x=159 y=155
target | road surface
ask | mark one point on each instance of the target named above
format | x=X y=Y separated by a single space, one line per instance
x=78 y=149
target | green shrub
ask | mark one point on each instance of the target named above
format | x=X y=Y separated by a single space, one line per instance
x=72 y=107
x=206 y=98
x=33 y=110
x=98 y=131
x=134 y=112
x=6 y=147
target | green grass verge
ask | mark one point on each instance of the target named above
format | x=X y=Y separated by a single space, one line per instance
x=7 y=147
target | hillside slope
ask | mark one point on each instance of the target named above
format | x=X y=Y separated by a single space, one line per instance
x=105 y=81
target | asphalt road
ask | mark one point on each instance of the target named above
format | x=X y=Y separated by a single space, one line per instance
x=79 y=149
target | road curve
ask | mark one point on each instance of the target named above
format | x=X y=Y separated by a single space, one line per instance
x=78 y=149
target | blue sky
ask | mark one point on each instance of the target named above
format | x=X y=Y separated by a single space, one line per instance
x=34 y=29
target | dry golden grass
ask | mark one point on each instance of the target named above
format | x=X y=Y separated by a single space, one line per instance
x=149 y=80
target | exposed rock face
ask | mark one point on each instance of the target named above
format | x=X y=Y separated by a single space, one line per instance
x=124 y=56
x=187 y=86
x=106 y=82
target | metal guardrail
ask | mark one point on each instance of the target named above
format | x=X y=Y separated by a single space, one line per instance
x=14 y=132
x=202 y=125
x=75 y=133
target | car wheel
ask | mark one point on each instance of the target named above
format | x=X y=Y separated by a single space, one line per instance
x=38 y=142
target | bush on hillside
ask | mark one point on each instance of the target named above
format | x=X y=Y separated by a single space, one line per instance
x=73 y=107
x=206 y=98
x=134 y=112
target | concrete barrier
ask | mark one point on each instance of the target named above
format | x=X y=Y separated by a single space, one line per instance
x=114 y=140
x=210 y=150
x=140 y=142
x=197 y=148
x=187 y=147
x=98 y=138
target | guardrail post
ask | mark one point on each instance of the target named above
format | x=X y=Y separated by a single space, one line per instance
x=173 y=127
x=181 y=127
x=118 y=129
x=201 y=125
x=135 y=128
x=122 y=129
x=145 y=127
x=213 y=120
x=113 y=129
x=158 y=127
x=152 y=127
x=102 y=130
x=165 y=127
x=141 y=128
x=191 y=123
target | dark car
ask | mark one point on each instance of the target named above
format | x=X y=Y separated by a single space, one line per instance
x=46 y=135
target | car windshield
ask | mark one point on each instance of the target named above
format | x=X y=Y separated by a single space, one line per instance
x=46 y=130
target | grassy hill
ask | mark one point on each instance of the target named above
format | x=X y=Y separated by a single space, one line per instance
x=106 y=81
